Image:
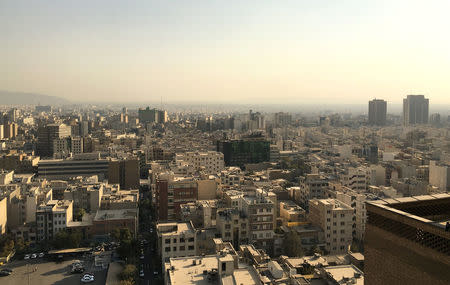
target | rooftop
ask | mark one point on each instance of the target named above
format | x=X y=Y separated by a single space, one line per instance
x=119 y=214
x=168 y=229
x=345 y=274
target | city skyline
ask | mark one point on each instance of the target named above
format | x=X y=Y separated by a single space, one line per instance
x=212 y=52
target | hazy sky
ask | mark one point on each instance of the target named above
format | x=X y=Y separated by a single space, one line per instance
x=227 y=51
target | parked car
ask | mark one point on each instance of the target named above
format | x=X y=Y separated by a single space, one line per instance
x=41 y=255
x=33 y=256
x=141 y=273
x=5 y=273
x=87 y=278
x=27 y=256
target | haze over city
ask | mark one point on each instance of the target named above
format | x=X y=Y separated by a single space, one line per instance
x=224 y=142
x=292 y=52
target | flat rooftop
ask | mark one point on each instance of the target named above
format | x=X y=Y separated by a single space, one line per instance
x=168 y=229
x=344 y=274
x=119 y=214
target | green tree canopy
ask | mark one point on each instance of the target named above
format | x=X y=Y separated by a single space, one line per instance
x=292 y=245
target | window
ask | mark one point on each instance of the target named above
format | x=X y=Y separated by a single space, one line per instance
x=174 y=240
x=167 y=240
x=342 y=223
x=191 y=247
x=227 y=226
x=167 y=249
x=182 y=248
x=328 y=219
x=227 y=234
x=182 y=240
x=342 y=231
x=174 y=248
x=191 y=239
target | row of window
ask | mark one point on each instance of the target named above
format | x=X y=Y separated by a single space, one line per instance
x=181 y=248
x=182 y=240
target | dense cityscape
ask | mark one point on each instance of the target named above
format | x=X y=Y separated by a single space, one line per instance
x=229 y=142
x=143 y=196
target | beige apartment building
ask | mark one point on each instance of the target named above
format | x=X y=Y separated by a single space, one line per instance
x=209 y=161
x=176 y=240
x=335 y=219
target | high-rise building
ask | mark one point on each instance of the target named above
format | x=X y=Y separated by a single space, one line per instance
x=377 y=112
x=124 y=172
x=10 y=130
x=148 y=115
x=247 y=150
x=47 y=136
x=407 y=241
x=415 y=110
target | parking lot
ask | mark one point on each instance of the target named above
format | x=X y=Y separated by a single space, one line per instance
x=42 y=271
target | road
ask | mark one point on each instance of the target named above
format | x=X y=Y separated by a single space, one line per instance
x=151 y=262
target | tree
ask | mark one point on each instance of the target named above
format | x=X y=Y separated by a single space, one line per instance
x=63 y=239
x=21 y=246
x=79 y=213
x=116 y=234
x=128 y=273
x=292 y=245
x=6 y=245
x=125 y=234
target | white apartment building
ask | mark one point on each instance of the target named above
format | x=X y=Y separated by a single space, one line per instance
x=440 y=176
x=335 y=219
x=176 y=240
x=313 y=186
x=53 y=217
x=357 y=178
x=358 y=203
x=210 y=161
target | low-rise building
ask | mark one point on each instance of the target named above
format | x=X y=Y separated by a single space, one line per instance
x=176 y=240
x=53 y=217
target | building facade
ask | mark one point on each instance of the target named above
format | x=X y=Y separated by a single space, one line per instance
x=377 y=112
x=415 y=110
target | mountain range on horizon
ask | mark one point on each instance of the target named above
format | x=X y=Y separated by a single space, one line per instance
x=25 y=98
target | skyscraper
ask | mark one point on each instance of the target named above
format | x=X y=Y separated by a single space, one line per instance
x=377 y=112
x=47 y=136
x=415 y=110
x=407 y=240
